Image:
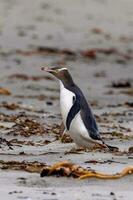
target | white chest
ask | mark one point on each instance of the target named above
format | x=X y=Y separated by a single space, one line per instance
x=66 y=101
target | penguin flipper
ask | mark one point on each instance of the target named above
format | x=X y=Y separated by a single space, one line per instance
x=72 y=113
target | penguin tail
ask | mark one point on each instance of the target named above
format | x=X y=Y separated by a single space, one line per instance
x=112 y=148
x=103 y=144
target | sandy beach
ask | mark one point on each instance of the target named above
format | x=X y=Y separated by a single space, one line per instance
x=94 y=39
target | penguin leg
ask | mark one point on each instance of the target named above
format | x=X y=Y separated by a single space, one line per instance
x=62 y=129
x=63 y=134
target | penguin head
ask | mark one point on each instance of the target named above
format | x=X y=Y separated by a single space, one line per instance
x=60 y=73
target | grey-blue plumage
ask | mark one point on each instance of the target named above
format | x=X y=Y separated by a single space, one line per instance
x=77 y=114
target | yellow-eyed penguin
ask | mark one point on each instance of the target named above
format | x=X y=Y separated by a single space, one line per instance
x=77 y=115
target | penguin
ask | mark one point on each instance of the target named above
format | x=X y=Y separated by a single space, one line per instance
x=77 y=115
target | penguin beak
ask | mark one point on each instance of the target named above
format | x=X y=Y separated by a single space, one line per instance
x=47 y=69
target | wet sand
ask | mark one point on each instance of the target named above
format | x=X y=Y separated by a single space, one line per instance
x=94 y=39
